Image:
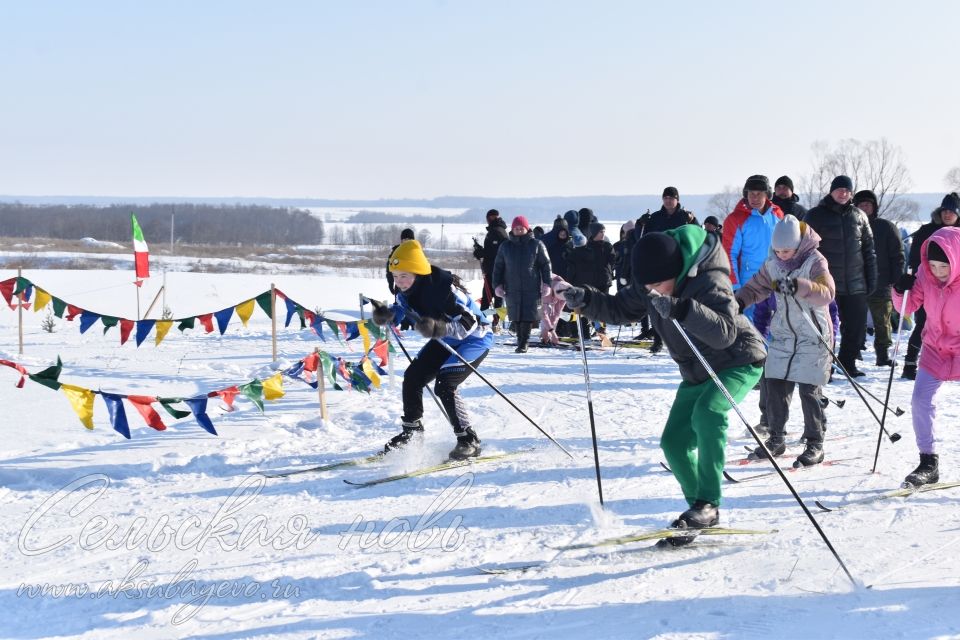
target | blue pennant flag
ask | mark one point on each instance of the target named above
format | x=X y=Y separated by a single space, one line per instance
x=223 y=318
x=199 y=408
x=87 y=319
x=118 y=415
x=144 y=327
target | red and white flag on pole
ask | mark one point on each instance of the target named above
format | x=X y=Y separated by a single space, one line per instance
x=141 y=253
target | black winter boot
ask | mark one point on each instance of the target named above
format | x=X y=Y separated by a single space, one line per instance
x=927 y=473
x=523 y=336
x=909 y=370
x=410 y=431
x=812 y=455
x=657 y=345
x=851 y=368
x=776 y=444
x=883 y=360
x=468 y=446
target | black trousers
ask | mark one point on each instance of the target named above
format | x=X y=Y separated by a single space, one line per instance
x=778 y=397
x=853 y=327
x=422 y=371
x=913 y=346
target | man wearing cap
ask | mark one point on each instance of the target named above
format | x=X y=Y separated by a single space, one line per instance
x=846 y=241
x=785 y=198
x=671 y=215
x=521 y=274
x=496 y=235
x=747 y=230
x=712 y=225
x=889 y=248
x=946 y=215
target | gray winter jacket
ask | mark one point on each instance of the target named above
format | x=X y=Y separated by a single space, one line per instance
x=723 y=336
x=522 y=265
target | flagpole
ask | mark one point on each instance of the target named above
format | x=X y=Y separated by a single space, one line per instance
x=321 y=390
x=273 y=318
x=20 y=310
x=138 y=302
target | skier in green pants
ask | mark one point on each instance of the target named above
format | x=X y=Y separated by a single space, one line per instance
x=683 y=274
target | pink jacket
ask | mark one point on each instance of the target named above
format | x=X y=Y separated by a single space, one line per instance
x=552 y=306
x=941 y=300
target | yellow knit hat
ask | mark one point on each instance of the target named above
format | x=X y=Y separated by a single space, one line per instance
x=409 y=257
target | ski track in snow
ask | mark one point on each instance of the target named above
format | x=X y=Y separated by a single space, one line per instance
x=505 y=513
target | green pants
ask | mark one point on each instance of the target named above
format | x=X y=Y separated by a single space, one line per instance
x=694 y=439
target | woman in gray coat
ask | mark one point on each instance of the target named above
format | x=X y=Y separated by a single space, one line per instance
x=521 y=274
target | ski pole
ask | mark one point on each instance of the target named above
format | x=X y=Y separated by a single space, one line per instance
x=896 y=351
x=593 y=424
x=773 y=461
x=856 y=387
x=616 y=345
x=502 y=395
x=897 y=411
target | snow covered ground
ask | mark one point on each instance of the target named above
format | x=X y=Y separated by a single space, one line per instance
x=173 y=534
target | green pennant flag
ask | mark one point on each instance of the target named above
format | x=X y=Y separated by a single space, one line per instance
x=336 y=330
x=254 y=391
x=185 y=323
x=264 y=301
x=59 y=306
x=375 y=329
x=326 y=362
x=303 y=320
x=167 y=403
x=22 y=285
x=49 y=377
x=108 y=321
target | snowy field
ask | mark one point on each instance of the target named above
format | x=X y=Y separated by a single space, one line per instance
x=173 y=534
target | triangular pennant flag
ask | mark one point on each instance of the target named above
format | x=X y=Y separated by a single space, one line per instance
x=291 y=310
x=254 y=391
x=335 y=329
x=87 y=320
x=227 y=395
x=273 y=387
x=49 y=377
x=142 y=405
x=359 y=380
x=342 y=369
x=245 y=310
x=317 y=326
x=309 y=316
x=73 y=311
x=163 y=326
x=264 y=301
x=300 y=315
x=6 y=289
x=375 y=330
x=343 y=329
x=141 y=253
x=59 y=306
x=185 y=323
x=118 y=415
x=126 y=326
x=223 y=318
x=23 y=288
x=108 y=321
x=167 y=404
x=311 y=362
x=82 y=402
x=199 y=408
x=362 y=330
x=144 y=327
x=329 y=370
x=207 y=321
x=369 y=371
x=42 y=300
x=294 y=370
x=14 y=365
x=381 y=349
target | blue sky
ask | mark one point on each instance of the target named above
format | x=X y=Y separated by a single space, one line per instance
x=421 y=99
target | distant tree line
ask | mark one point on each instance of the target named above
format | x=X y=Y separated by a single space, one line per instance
x=192 y=223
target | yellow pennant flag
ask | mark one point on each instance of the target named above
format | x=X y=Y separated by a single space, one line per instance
x=162 y=327
x=40 y=299
x=370 y=372
x=82 y=402
x=273 y=387
x=245 y=310
x=365 y=334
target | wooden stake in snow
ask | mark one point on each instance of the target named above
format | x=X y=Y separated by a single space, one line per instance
x=20 y=311
x=273 y=318
x=321 y=389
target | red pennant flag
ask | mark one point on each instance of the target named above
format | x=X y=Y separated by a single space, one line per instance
x=6 y=288
x=343 y=329
x=382 y=349
x=73 y=311
x=126 y=326
x=150 y=415
x=309 y=316
x=19 y=368
x=227 y=395
x=207 y=321
x=311 y=361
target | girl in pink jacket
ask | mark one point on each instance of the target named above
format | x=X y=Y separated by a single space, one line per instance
x=936 y=287
x=551 y=306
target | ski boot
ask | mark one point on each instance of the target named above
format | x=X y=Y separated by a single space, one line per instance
x=812 y=455
x=776 y=444
x=700 y=516
x=468 y=445
x=927 y=473
x=909 y=370
x=410 y=431
x=883 y=359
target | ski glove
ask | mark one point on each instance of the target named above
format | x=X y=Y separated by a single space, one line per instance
x=787 y=286
x=669 y=307
x=382 y=314
x=544 y=290
x=431 y=327
x=905 y=283
x=576 y=297
x=499 y=292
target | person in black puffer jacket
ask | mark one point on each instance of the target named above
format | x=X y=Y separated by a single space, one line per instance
x=786 y=199
x=521 y=274
x=943 y=216
x=592 y=264
x=889 y=248
x=671 y=215
x=847 y=243
x=487 y=255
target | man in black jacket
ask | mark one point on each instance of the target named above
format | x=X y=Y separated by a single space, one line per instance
x=487 y=255
x=671 y=215
x=889 y=249
x=786 y=199
x=846 y=241
x=946 y=215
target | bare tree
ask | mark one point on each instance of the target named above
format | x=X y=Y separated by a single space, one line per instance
x=721 y=204
x=952 y=179
x=877 y=165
